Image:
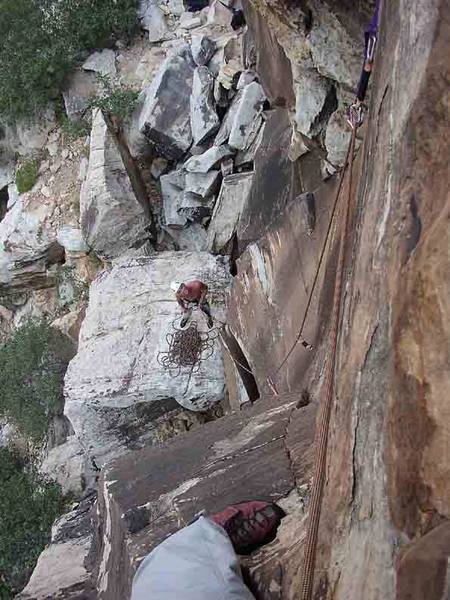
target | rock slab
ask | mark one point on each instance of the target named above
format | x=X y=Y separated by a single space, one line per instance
x=112 y=220
x=115 y=386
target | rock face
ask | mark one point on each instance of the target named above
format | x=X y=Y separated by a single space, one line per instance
x=115 y=386
x=65 y=566
x=28 y=244
x=103 y=62
x=112 y=220
x=164 y=114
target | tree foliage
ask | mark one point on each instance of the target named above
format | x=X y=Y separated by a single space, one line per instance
x=32 y=367
x=26 y=176
x=42 y=40
x=28 y=507
x=116 y=101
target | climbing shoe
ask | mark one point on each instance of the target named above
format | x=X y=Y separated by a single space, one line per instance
x=250 y=524
x=184 y=321
x=210 y=322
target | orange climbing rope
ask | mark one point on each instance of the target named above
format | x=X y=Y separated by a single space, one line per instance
x=325 y=408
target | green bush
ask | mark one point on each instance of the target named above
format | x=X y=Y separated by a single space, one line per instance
x=32 y=367
x=42 y=40
x=115 y=100
x=28 y=507
x=26 y=176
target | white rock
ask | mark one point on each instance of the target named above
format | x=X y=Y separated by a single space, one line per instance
x=112 y=220
x=202 y=48
x=103 y=62
x=176 y=7
x=13 y=195
x=312 y=90
x=246 y=117
x=245 y=78
x=154 y=22
x=227 y=211
x=337 y=138
x=190 y=23
x=209 y=159
x=115 y=381
x=69 y=466
x=172 y=188
x=65 y=153
x=204 y=119
x=45 y=191
x=192 y=237
x=82 y=171
x=219 y=14
x=202 y=184
x=71 y=239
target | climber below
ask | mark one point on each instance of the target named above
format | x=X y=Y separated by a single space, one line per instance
x=190 y=295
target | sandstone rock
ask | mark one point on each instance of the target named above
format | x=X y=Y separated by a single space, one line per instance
x=227 y=211
x=114 y=387
x=112 y=220
x=71 y=239
x=204 y=119
x=209 y=159
x=202 y=48
x=103 y=62
x=202 y=184
x=164 y=117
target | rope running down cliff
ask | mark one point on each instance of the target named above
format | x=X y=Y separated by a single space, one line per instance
x=325 y=410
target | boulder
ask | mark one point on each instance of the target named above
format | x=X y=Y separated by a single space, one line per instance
x=312 y=91
x=159 y=167
x=172 y=187
x=187 y=21
x=115 y=388
x=68 y=465
x=71 y=239
x=154 y=22
x=28 y=244
x=103 y=62
x=202 y=48
x=66 y=566
x=81 y=87
x=219 y=14
x=245 y=119
x=112 y=220
x=202 y=184
x=204 y=119
x=227 y=211
x=337 y=138
x=164 y=111
x=209 y=159
x=26 y=137
x=191 y=237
